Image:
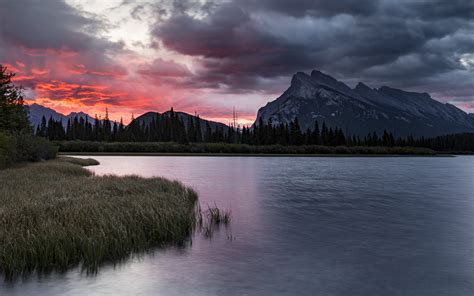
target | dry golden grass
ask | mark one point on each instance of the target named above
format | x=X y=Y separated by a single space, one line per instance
x=55 y=215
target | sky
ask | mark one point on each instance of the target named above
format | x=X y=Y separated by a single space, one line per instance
x=206 y=57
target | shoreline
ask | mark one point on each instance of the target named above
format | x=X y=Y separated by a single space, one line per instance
x=229 y=149
x=242 y=154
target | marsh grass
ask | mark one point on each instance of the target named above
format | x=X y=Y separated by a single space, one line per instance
x=78 y=161
x=217 y=216
x=211 y=219
x=56 y=215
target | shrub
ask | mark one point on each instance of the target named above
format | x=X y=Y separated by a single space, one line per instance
x=24 y=147
x=31 y=148
x=7 y=150
x=171 y=147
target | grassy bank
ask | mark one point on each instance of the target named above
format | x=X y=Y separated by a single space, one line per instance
x=56 y=214
x=232 y=149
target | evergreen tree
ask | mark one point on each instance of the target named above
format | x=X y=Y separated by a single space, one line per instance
x=198 y=129
x=43 y=127
x=208 y=134
x=295 y=132
x=315 y=137
x=324 y=135
x=121 y=131
x=191 y=132
x=13 y=115
x=106 y=127
x=114 y=132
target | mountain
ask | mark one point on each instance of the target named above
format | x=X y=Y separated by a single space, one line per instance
x=36 y=113
x=362 y=109
x=184 y=117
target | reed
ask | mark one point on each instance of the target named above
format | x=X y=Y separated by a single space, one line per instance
x=209 y=221
x=217 y=216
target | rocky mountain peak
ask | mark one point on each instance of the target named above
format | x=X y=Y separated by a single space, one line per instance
x=363 y=109
x=301 y=78
x=362 y=87
x=394 y=92
x=326 y=80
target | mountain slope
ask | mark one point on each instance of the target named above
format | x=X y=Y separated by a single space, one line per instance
x=184 y=117
x=36 y=113
x=362 y=109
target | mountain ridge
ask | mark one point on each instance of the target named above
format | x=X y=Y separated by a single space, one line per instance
x=184 y=117
x=36 y=112
x=362 y=109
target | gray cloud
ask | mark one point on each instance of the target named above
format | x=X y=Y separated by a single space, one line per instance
x=313 y=7
x=51 y=25
x=55 y=37
x=241 y=46
x=401 y=43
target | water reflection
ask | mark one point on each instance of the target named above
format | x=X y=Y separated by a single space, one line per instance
x=303 y=226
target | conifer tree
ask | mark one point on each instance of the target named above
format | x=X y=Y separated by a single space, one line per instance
x=13 y=115
x=315 y=139
x=324 y=134
x=198 y=129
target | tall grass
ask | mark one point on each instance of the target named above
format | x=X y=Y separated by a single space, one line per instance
x=210 y=220
x=55 y=215
x=217 y=216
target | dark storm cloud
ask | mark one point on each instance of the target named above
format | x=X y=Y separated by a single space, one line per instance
x=228 y=33
x=313 y=7
x=402 y=43
x=233 y=47
x=51 y=25
x=160 y=68
x=441 y=9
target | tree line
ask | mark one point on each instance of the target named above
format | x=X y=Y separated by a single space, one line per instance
x=170 y=127
x=167 y=127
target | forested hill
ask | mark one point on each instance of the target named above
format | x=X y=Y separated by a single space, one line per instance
x=166 y=127
x=36 y=113
x=148 y=117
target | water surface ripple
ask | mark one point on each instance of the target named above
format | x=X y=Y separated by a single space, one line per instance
x=302 y=226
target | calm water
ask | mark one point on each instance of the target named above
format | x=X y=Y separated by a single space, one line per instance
x=303 y=226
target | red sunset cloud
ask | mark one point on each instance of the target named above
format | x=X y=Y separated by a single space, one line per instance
x=68 y=82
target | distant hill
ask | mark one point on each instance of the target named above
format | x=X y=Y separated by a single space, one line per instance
x=362 y=109
x=184 y=117
x=36 y=113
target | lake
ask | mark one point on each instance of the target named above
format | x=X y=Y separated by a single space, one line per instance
x=301 y=226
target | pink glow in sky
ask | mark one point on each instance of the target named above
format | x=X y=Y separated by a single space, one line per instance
x=208 y=57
